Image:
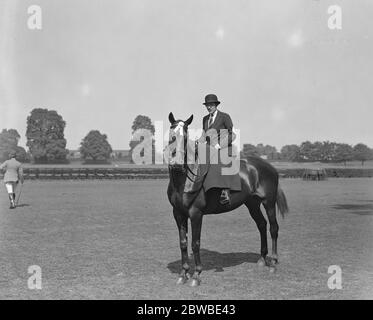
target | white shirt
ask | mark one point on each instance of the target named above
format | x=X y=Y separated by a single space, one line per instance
x=213 y=118
x=217 y=146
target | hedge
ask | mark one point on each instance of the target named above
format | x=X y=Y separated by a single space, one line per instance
x=161 y=173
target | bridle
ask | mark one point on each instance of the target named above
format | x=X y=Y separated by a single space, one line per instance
x=184 y=168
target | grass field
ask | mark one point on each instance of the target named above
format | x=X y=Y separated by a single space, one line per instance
x=118 y=240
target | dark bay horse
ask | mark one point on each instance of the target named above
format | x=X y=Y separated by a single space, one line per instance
x=203 y=203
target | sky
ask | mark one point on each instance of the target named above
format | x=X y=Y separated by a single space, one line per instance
x=282 y=75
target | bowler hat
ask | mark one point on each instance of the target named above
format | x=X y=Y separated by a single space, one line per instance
x=211 y=98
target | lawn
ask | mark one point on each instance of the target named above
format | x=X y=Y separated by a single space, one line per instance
x=118 y=240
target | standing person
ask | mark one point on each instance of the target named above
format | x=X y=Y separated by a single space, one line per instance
x=13 y=174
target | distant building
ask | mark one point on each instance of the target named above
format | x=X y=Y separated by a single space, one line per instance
x=122 y=155
x=73 y=155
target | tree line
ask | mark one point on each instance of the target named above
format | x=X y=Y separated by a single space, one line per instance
x=46 y=141
x=47 y=144
x=307 y=151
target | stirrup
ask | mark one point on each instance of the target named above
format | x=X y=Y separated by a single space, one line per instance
x=226 y=199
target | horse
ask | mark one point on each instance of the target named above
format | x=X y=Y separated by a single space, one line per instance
x=203 y=203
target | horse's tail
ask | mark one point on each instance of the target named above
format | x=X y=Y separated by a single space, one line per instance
x=282 y=203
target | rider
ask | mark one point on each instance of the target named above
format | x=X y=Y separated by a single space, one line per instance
x=217 y=121
x=218 y=134
x=13 y=174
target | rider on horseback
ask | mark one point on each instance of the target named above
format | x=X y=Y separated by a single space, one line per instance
x=218 y=134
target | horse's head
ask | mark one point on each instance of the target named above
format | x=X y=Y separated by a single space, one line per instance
x=178 y=141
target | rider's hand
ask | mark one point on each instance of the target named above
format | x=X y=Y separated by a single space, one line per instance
x=202 y=142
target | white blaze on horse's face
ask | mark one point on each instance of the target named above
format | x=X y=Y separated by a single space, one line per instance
x=178 y=133
x=180 y=128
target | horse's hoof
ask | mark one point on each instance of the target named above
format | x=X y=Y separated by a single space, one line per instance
x=272 y=262
x=195 y=282
x=181 y=280
x=272 y=269
x=274 y=259
x=261 y=262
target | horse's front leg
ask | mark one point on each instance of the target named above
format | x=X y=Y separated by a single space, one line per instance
x=196 y=220
x=182 y=224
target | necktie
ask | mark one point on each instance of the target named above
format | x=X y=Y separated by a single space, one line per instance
x=210 y=120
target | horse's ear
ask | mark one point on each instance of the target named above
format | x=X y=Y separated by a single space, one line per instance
x=171 y=118
x=189 y=121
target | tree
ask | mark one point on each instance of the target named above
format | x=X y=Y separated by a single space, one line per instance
x=266 y=150
x=290 y=152
x=274 y=156
x=142 y=122
x=95 y=147
x=249 y=150
x=9 y=143
x=343 y=153
x=362 y=153
x=328 y=151
x=45 y=136
x=311 y=151
x=316 y=151
x=305 y=150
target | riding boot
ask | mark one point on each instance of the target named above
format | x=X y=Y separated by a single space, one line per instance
x=225 y=197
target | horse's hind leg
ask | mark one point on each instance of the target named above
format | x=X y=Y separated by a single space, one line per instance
x=273 y=229
x=182 y=224
x=254 y=208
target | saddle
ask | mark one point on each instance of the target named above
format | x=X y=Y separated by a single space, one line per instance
x=198 y=172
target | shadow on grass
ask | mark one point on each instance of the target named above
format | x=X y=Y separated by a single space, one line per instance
x=213 y=260
x=360 y=209
x=22 y=205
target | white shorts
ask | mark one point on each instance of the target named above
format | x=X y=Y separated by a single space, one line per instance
x=11 y=187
